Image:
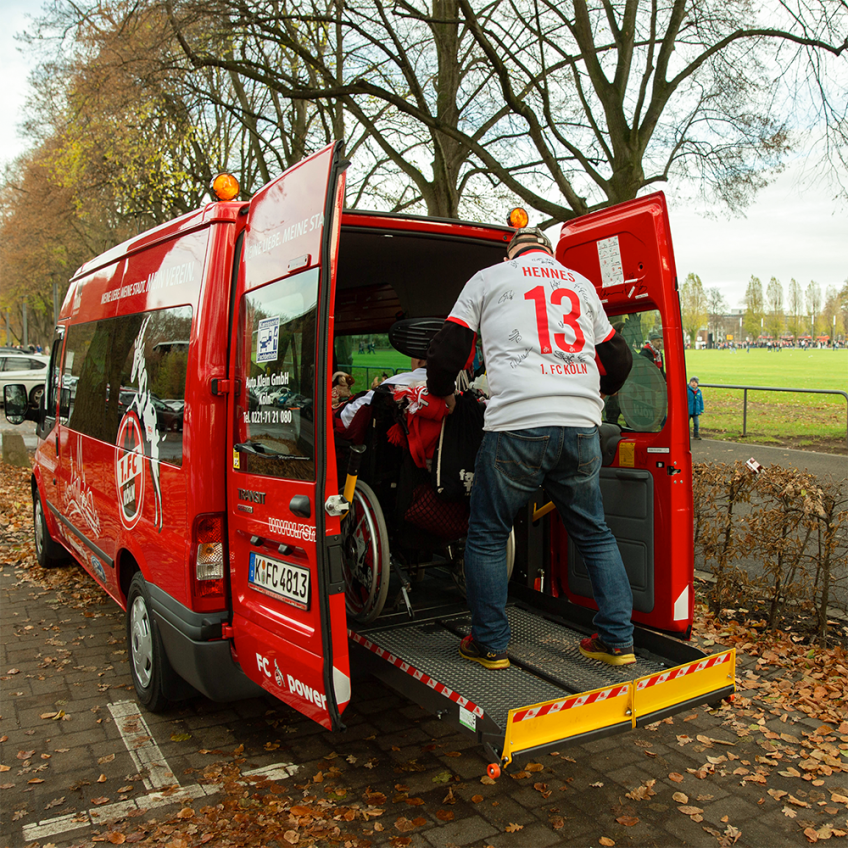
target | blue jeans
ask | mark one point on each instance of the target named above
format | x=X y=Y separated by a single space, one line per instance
x=510 y=467
x=696 y=422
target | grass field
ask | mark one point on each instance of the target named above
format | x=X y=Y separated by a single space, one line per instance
x=367 y=366
x=796 y=420
x=778 y=418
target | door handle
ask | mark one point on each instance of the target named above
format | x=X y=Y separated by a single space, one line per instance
x=301 y=506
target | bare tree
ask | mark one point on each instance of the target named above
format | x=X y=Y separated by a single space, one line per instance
x=693 y=306
x=774 y=308
x=754 y=308
x=814 y=305
x=569 y=107
x=832 y=314
x=795 y=305
x=717 y=307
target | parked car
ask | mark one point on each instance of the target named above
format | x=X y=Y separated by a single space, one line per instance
x=27 y=368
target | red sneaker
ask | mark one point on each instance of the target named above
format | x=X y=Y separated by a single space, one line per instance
x=473 y=650
x=595 y=649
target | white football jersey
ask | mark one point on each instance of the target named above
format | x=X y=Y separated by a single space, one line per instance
x=539 y=323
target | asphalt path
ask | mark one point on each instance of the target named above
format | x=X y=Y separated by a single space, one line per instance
x=820 y=464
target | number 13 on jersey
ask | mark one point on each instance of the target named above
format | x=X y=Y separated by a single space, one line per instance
x=570 y=319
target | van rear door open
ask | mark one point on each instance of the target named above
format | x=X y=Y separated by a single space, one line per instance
x=626 y=251
x=288 y=620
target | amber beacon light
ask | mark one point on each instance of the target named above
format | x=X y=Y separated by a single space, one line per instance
x=225 y=187
x=518 y=218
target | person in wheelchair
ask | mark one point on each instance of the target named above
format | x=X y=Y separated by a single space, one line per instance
x=354 y=415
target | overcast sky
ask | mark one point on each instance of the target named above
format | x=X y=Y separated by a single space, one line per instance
x=795 y=229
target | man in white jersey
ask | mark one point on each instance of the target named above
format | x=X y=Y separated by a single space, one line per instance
x=550 y=355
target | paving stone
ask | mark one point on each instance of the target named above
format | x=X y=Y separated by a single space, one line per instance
x=530 y=836
x=466 y=831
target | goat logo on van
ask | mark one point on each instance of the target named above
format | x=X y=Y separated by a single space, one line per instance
x=129 y=470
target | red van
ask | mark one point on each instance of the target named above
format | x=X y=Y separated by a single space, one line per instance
x=188 y=459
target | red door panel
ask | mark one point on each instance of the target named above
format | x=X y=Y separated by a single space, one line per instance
x=289 y=631
x=627 y=252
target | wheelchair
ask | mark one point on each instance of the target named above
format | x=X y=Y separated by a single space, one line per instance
x=396 y=523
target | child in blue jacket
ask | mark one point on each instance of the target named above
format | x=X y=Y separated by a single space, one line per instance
x=696 y=404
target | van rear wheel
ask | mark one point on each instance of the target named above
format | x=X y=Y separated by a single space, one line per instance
x=149 y=663
x=48 y=553
x=367 y=563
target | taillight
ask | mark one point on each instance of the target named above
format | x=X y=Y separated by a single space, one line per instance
x=209 y=553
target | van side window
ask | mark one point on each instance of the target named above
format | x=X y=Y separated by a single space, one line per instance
x=276 y=364
x=132 y=363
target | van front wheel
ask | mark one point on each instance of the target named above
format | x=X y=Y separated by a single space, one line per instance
x=149 y=664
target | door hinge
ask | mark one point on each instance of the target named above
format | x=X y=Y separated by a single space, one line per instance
x=227 y=631
x=221 y=387
x=336 y=505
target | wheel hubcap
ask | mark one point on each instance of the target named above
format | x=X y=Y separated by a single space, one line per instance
x=39 y=528
x=141 y=642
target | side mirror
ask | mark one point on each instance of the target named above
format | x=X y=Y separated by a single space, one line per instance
x=16 y=403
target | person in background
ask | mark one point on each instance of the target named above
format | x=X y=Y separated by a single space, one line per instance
x=653 y=350
x=696 y=405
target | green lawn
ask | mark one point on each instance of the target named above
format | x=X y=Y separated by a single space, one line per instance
x=367 y=366
x=799 y=420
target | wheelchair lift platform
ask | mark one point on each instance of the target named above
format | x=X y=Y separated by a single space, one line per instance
x=551 y=695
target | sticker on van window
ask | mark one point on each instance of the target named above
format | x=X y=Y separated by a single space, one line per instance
x=267 y=339
x=609 y=256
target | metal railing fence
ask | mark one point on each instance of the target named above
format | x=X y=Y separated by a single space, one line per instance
x=746 y=389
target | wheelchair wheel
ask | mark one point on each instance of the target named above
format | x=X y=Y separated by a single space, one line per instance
x=459 y=563
x=366 y=556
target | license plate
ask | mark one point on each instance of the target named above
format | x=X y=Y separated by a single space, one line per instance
x=283 y=580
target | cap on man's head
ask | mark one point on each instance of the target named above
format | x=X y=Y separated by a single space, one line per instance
x=528 y=238
x=654 y=336
x=694 y=380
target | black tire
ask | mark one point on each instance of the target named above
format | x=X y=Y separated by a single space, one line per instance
x=48 y=552
x=149 y=664
x=367 y=563
x=35 y=396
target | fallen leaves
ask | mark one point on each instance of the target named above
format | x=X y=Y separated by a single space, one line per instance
x=643 y=792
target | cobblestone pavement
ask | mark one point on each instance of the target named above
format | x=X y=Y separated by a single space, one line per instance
x=77 y=754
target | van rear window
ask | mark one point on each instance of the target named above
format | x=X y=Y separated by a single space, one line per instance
x=641 y=406
x=276 y=363
x=129 y=364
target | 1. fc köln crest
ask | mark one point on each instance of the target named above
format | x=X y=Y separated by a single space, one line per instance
x=129 y=470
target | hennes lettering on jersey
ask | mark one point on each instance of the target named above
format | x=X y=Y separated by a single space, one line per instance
x=548 y=273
